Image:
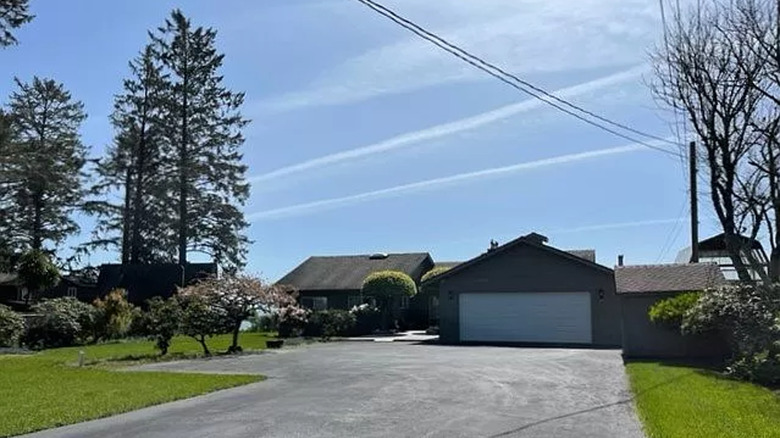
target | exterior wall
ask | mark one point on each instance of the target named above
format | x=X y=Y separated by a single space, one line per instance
x=526 y=268
x=643 y=338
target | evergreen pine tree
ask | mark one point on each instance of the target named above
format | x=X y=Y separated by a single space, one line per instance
x=208 y=182
x=45 y=166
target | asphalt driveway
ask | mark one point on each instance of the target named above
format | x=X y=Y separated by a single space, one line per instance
x=365 y=389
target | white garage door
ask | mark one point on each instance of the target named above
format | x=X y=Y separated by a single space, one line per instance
x=551 y=317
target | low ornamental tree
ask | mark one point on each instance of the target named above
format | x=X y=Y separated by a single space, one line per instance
x=238 y=297
x=385 y=286
x=162 y=322
x=114 y=314
x=199 y=319
x=670 y=312
x=37 y=272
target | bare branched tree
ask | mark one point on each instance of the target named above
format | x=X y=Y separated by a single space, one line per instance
x=709 y=70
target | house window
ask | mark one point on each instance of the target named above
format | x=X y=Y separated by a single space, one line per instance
x=72 y=292
x=315 y=303
x=404 y=302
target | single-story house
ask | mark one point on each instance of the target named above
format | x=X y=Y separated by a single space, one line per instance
x=639 y=287
x=335 y=282
x=13 y=293
x=713 y=250
x=526 y=291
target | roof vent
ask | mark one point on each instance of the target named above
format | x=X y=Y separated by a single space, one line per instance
x=378 y=256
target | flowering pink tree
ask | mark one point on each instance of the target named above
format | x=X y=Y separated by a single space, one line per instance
x=240 y=296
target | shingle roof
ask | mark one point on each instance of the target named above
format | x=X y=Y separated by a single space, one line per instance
x=587 y=254
x=446 y=264
x=348 y=272
x=667 y=278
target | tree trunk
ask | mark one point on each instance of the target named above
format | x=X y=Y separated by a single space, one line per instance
x=183 y=168
x=234 y=348
x=126 y=217
x=202 y=341
x=135 y=241
x=734 y=248
x=37 y=231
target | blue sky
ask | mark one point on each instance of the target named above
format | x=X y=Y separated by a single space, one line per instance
x=365 y=139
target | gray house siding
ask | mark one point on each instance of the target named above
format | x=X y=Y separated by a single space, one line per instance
x=643 y=338
x=528 y=268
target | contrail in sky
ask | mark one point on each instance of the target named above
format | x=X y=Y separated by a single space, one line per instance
x=449 y=128
x=326 y=204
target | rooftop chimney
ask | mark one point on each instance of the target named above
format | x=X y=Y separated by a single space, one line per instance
x=620 y=260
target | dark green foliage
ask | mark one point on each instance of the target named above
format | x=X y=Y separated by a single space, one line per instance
x=326 y=324
x=670 y=311
x=44 y=171
x=200 y=320
x=139 y=224
x=11 y=327
x=13 y=14
x=207 y=178
x=163 y=319
x=37 y=272
x=367 y=319
x=58 y=323
x=748 y=318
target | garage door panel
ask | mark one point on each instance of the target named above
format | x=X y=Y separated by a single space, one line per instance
x=544 y=317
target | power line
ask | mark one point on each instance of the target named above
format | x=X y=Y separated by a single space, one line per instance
x=523 y=86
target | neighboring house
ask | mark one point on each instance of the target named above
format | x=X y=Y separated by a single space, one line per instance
x=13 y=292
x=639 y=287
x=529 y=292
x=335 y=282
x=146 y=281
x=713 y=250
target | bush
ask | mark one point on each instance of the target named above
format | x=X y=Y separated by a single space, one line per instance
x=433 y=287
x=329 y=323
x=748 y=317
x=114 y=315
x=61 y=323
x=368 y=319
x=671 y=311
x=292 y=321
x=11 y=327
x=162 y=322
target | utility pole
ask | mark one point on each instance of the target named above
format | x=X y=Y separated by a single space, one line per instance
x=694 y=205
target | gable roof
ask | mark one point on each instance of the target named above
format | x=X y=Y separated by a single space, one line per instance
x=534 y=239
x=667 y=278
x=348 y=272
x=587 y=254
x=718 y=243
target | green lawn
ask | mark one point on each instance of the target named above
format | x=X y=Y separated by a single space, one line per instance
x=679 y=401
x=45 y=390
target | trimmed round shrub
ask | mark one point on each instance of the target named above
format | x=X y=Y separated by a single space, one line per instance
x=671 y=311
x=11 y=327
x=433 y=287
x=389 y=284
x=60 y=323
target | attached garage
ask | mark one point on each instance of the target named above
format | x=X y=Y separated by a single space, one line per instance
x=548 y=317
x=527 y=292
